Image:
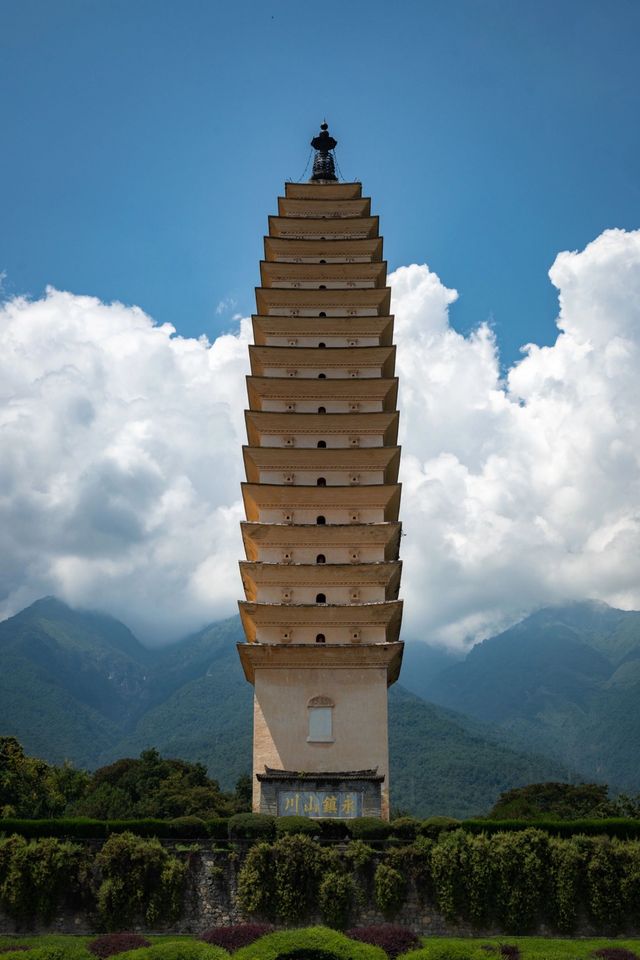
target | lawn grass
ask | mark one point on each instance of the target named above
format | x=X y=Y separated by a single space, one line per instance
x=531 y=948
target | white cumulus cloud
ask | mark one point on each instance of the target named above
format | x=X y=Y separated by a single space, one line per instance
x=120 y=457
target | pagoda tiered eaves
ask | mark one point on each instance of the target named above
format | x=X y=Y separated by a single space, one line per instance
x=322 y=535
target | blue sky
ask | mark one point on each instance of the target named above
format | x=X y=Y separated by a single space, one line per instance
x=144 y=143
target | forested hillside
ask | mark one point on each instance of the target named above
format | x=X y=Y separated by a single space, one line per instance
x=79 y=686
x=565 y=681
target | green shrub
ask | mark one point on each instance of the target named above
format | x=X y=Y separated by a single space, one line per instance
x=520 y=871
x=449 y=951
x=336 y=896
x=621 y=827
x=66 y=951
x=140 y=879
x=605 y=868
x=432 y=827
x=176 y=950
x=298 y=863
x=37 y=876
x=369 y=829
x=312 y=942
x=330 y=829
x=566 y=868
x=251 y=826
x=218 y=828
x=390 y=888
x=188 y=827
x=302 y=825
x=256 y=893
x=449 y=858
x=404 y=828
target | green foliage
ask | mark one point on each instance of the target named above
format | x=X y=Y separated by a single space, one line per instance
x=618 y=827
x=298 y=867
x=153 y=787
x=37 y=876
x=66 y=951
x=336 y=897
x=449 y=951
x=390 y=887
x=140 y=879
x=603 y=870
x=28 y=787
x=520 y=875
x=256 y=893
x=176 y=950
x=85 y=828
x=369 y=829
x=434 y=826
x=301 y=825
x=405 y=828
x=553 y=801
x=312 y=942
x=566 y=870
x=252 y=826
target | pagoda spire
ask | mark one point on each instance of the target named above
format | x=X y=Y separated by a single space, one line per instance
x=323 y=164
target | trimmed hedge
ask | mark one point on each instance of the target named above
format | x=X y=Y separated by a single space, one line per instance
x=176 y=950
x=622 y=827
x=83 y=828
x=312 y=942
x=257 y=826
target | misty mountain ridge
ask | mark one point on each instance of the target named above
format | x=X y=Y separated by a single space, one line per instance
x=78 y=685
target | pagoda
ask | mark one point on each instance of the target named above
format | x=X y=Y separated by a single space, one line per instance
x=322 y=574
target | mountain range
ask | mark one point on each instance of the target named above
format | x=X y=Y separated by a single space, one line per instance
x=552 y=698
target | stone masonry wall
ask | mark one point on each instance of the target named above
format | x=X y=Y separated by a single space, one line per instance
x=210 y=901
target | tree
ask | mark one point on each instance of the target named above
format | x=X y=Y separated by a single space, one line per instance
x=554 y=801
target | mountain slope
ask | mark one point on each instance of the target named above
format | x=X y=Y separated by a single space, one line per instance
x=566 y=681
x=191 y=700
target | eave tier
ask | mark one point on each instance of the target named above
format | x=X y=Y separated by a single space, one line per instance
x=308 y=228
x=310 y=275
x=357 y=615
x=335 y=250
x=372 y=301
x=360 y=460
x=256 y=575
x=333 y=191
x=322 y=328
x=346 y=359
x=259 y=424
x=261 y=497
x=264 y=389
x=289 y=536
x=324 y=206
x=272 y=656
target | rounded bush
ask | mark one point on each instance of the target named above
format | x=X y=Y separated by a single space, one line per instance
x=304 y=825
x=433 y=826
x=405 y=828
x=330 y=829
x=369 y=829
x=236 y=935
x=112 y=943
x=188 y=827
x=312 y=943
x=392 y=938
x=252 y=826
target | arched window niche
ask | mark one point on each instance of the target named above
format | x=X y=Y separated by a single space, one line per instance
x=320 y=711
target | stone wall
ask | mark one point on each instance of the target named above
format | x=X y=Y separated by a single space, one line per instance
x=210 y=901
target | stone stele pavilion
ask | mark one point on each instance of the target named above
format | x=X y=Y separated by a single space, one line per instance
x=322 y=615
